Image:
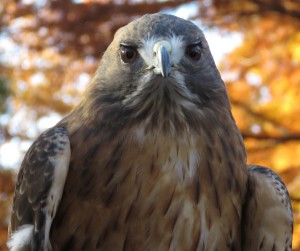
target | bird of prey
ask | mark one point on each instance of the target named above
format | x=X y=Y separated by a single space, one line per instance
x=150 y=159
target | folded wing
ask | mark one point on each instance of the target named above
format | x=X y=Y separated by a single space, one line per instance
x=38 y=191
x=267 y=215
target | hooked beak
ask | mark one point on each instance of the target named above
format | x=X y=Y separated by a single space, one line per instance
x=162 y=51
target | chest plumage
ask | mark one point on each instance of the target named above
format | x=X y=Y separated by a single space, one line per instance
x=141 y=191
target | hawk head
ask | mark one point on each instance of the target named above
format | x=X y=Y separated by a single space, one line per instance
x=158 y=72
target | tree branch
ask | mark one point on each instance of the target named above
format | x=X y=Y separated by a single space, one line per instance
x=294 y=199
x=278 y=139
x=258 y=115
x=277 y=6
x=244 y=8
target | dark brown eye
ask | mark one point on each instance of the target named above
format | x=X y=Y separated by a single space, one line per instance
x=194 y=52
x=128 y=54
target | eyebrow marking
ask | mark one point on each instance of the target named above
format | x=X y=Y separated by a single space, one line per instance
x=132 y=43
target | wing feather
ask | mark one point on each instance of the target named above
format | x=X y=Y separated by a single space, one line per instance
x=38 y=190
x=267 y=214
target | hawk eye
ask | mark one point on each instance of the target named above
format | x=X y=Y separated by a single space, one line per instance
x=194 y=52
x=128 y=54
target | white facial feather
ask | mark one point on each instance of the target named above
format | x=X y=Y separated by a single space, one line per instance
x=176 y=53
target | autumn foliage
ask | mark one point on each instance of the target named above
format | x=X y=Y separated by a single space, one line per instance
x=50 y=49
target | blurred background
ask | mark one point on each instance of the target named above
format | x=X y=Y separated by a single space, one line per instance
x=50 y=49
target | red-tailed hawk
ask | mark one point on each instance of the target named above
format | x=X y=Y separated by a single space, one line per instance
x=151 y=159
